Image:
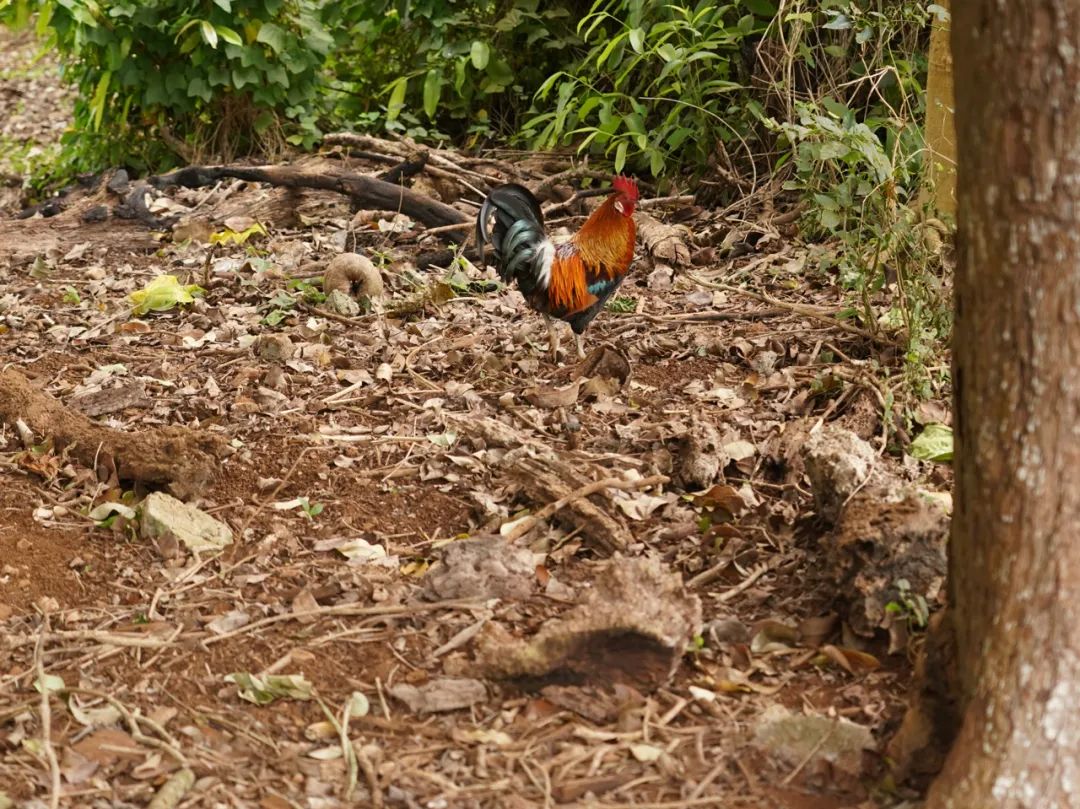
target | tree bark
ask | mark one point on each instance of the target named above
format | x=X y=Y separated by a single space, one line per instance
x=1014 y=592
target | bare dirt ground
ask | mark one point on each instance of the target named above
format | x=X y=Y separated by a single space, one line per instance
x=353 y=454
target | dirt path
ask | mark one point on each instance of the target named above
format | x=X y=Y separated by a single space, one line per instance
x=404 y=429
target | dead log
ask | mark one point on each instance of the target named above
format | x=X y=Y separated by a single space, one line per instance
x=162 y=455
x=665 y=243
x=409 y=167
x=365 y=192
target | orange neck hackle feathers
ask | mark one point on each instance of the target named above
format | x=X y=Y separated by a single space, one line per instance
x=606 y=240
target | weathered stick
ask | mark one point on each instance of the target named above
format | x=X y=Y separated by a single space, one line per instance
x=526 y=524
x=366 y=192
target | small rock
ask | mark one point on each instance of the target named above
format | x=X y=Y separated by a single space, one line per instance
x=808 y=740
x=340 y=302
x=119 y=183
x=489 y=567
x=838 y=463
x=275 y=347
x=162 y=513
x=441 y=695
x=99 y=213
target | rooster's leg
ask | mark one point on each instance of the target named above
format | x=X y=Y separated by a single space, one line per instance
x=553 y=339
x=579 y=340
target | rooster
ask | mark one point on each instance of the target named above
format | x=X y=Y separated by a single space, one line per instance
x=570 y=281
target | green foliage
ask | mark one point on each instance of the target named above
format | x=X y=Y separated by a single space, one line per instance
x=656 y=89
x=934 y=443
x=909 y=605
x=437 y=68
x=622 y=305
x=860 y=190
x=157 y=77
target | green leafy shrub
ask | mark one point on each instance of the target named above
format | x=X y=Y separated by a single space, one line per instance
x=441 y=68
x=658 y=86
x=194 y=77
x=862 y=206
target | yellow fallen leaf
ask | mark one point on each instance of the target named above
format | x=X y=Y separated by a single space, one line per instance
x=162 y=294
x=230 y=236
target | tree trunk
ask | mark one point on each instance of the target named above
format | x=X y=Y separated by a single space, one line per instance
x=1014 y=569
x=940 y=129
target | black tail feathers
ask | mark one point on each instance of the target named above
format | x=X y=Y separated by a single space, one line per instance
x=517 y=233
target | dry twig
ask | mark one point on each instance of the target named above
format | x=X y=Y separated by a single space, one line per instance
x=523 y=526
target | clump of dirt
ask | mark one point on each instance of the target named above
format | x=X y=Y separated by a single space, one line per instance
x=632 y=627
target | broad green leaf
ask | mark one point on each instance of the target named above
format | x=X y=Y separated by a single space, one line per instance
x=229 y=236
x=620 y=155
x=479 y=53
x=358 y=704
x=762 y=8
x=935 y=443
x=637 y=40
x=162 y=294
x=272 y=35
x=397 y=99
x=224 y=5
x=49 y=683
x=656 y=162
x=229 y=35
x=432 y=91
x=97 y=104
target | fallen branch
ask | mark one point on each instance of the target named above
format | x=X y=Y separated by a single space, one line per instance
x=403 y=148
x=46 y=718
x=409 y=167
x=710 y=317
x=365 y=191
x=162 y=455
x=526 y=524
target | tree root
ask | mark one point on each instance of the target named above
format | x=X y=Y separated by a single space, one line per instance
x=171 y=454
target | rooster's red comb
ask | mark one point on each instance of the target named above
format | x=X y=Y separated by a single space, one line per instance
x=626 y=185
